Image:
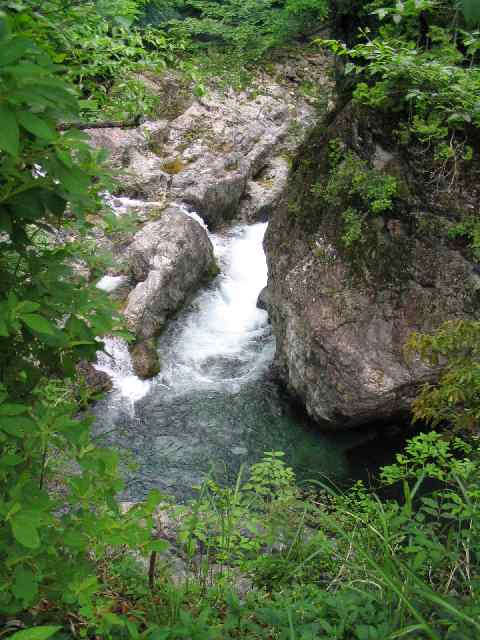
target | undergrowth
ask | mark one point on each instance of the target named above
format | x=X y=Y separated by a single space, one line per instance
x=264 y=559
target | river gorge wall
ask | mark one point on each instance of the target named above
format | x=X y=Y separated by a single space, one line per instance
x=224 y=156
x=343 y=306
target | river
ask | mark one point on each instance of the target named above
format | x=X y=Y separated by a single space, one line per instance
x=213 y=407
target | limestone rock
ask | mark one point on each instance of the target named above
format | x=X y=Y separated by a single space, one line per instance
x=215 y=153
x=131 y=152
x=169 y=258
x=263 y=194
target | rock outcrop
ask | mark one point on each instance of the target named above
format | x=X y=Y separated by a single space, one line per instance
x=342 y=312
x=169 y=258
x=226 y=153
x=96 y=382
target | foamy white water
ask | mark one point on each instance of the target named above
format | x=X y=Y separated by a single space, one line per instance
x=212 y=404
x=122 y=204
x=117 y=363
x=110 y=283
x=222 y=341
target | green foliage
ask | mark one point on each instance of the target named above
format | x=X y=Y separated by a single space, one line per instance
x=470 y=10
x=244 y=30
x=347 y=566
x=469 y=229
x=97 y=43
x=229 y=525
x=455 y=399
x=422 y=68
x=360 y=191
x=54 y=528
x=339 y=567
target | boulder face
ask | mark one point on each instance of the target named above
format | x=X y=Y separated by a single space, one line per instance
x=130 y=152
x=97 y=382
x=342 y=314
x=169 y=259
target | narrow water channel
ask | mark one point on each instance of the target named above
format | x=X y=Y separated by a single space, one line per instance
x=213 y=407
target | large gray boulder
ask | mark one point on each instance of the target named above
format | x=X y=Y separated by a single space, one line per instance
x=342 y=316
x=169 y=258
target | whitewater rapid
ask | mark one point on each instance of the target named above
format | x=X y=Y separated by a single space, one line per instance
x=221 y=340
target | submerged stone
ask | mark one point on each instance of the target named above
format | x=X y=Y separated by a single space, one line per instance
x=145 y=359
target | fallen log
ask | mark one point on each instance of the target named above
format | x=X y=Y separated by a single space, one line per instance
x=108 y=124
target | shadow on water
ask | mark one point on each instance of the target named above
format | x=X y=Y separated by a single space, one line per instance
x=213 y=406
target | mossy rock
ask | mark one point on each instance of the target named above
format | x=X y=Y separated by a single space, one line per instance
x=145 y=359
x=212 y=271
x=173 y=167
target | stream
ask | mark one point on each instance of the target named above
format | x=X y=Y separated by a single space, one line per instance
x=213 y=407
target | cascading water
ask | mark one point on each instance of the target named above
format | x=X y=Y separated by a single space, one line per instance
x=212 y=406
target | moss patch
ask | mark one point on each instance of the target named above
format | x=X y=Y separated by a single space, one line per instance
x=173 y=166
x=212 y=271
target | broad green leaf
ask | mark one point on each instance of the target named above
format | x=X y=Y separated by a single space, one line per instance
x=17 y=425
x=74 y=180
x=36 y=633
x=25 y=586
x=26 y=306
x=14 y=49
x=38 y=126
x=25 y=532
x=64 y=158
x=11 y=460
x=3 y=328
x=54 y=203
x=74 y=539
x=113 y=619
x=28 y=205
x=158 y=545
x=26 y=70
x=10 y=136
x=37 y=323
x=12 y=426
x=11 y=409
